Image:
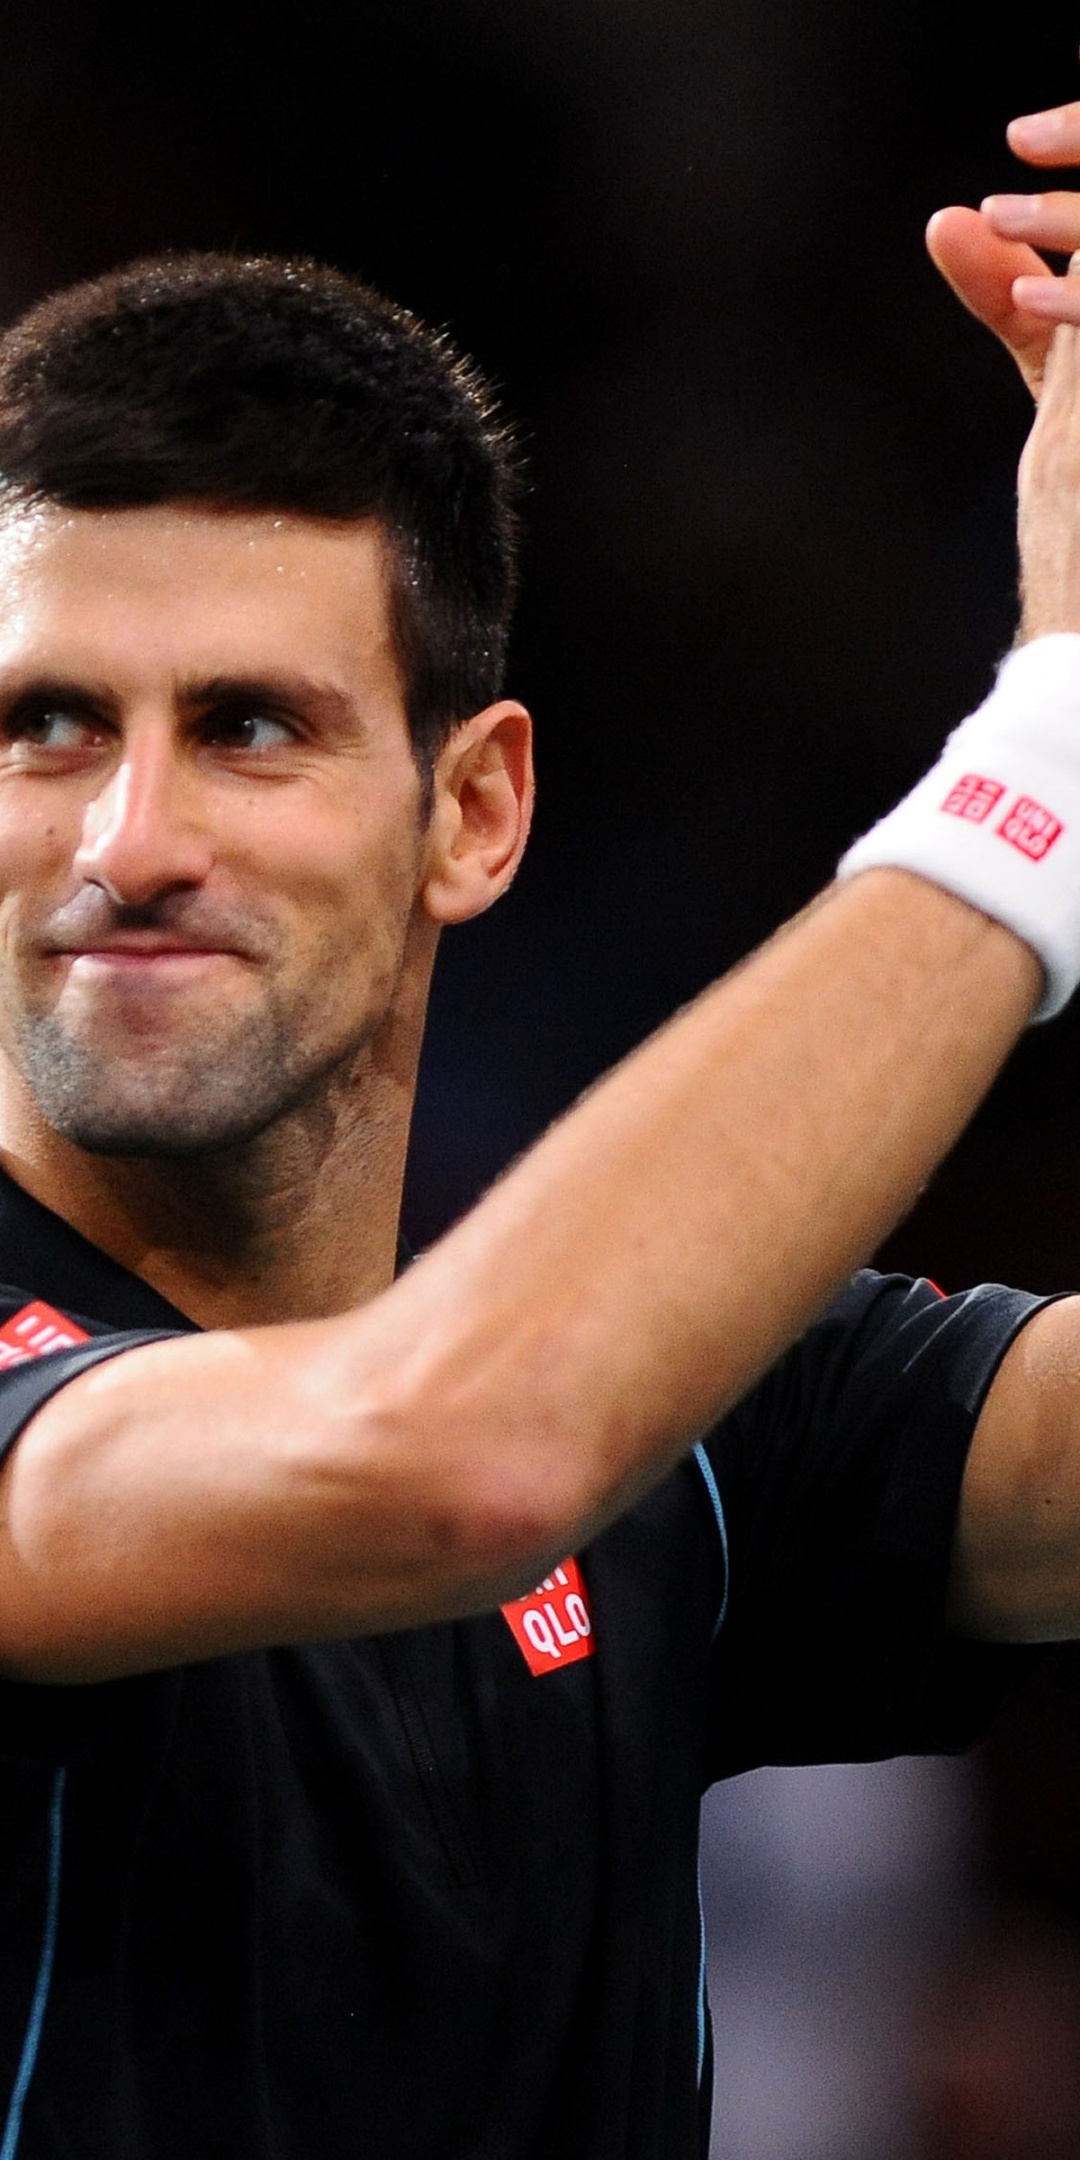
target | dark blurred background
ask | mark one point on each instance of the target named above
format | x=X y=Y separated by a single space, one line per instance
x=770 y=561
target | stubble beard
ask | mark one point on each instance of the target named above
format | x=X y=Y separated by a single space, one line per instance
x=212 y=1091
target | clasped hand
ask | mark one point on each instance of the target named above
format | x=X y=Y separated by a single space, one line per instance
x=990 y=258
x=989 y=255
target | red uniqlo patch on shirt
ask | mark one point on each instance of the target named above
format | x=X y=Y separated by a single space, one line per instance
x=553 y=1625
x=973 y=797
x=1030 y=828
x=34 y=1331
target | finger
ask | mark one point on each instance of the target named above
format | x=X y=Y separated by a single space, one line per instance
x=1047 y=138
x=983 y=270
x=1051 y=220
x=1052 y=300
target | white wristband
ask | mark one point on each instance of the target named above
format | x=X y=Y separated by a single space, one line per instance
x=997 y=819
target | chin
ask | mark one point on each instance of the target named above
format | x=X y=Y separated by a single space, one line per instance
x=162 y=1136
x=220 y=1088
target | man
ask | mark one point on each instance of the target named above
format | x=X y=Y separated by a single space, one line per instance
x=312 y=1849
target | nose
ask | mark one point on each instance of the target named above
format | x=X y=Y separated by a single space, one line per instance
x=143 y=834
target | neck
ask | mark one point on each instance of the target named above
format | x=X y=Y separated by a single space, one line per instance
x=299 y=1223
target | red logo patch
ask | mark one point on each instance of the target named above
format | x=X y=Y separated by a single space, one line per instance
x=553 y=1625
x=34 y=1331
x=1030 y=828
x=973 y=797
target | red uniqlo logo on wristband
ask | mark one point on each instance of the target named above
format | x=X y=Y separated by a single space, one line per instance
x=973 y=797
x=35 y=1330
x=1030 y=828
x=553 y=1625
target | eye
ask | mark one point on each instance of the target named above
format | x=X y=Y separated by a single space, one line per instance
x=247 y=727
x=48 y=727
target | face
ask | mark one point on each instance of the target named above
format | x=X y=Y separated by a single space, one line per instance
x=210 y=830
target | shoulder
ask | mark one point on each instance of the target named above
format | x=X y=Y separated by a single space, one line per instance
x=886 y=1345
x=850 y=1455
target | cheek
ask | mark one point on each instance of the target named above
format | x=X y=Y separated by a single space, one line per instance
x=355 y=897
x=35 y=878
x=36 y=853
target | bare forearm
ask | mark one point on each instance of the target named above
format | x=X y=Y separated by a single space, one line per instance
x=435 y=1451
x=691 y=1215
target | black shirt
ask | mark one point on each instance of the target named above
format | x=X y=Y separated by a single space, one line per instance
x=433 y=1896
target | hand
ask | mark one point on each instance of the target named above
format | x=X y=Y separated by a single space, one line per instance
x=1049 y=524
x=989 y=255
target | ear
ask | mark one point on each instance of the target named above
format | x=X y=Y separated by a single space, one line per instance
x=483 y=799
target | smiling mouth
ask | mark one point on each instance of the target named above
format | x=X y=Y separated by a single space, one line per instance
x=146 y=960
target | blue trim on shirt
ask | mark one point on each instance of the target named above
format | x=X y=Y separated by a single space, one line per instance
x=702 y=1998
x=32 y=2041
x=708 y=1478
x=712 y=1488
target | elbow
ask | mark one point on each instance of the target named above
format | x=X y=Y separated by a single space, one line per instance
x=507 y=1529
x=488 y=1503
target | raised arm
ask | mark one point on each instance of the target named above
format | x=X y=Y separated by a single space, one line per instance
x=438 y=1450
x=1017 y=1571
x=1017 y=1566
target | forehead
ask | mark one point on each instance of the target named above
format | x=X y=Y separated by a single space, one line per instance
x=185 y=588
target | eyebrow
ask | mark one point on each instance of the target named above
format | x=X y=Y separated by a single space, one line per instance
x=324 y=701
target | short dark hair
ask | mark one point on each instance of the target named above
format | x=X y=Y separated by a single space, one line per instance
x=263 y=383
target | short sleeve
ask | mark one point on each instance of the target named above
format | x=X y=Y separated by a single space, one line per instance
x=30 y=1375
x=37 y=1723
x=840 y=1477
